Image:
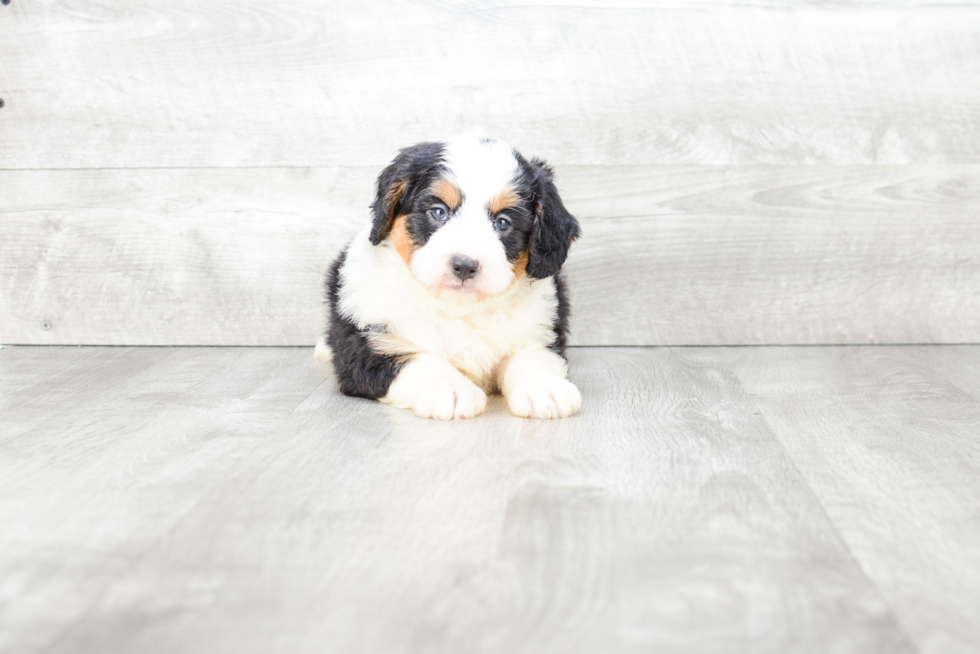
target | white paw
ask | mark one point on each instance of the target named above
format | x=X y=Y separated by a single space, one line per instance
x=544 y=397
x=450 y=399
x=432 y=388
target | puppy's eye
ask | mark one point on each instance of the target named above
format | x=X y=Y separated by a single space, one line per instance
x=438 y=213
x=501 y=223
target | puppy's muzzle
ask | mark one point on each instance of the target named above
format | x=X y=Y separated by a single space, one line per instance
x=464 y=267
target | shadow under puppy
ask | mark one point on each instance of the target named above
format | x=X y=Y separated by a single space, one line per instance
x=454 y=291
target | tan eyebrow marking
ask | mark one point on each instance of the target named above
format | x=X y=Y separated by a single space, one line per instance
x=504 y=200
x=447 y=192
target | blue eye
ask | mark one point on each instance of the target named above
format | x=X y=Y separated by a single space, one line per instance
x=501 y=223
x=438 y=213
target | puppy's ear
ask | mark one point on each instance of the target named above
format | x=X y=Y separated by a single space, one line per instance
x=391 y=187
x=554 y=228
x=408 y=171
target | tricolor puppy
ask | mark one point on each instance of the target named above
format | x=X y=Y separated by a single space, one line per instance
x=453 y=291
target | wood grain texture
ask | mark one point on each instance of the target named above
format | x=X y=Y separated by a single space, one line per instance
x=173 y=257
x=670 y=255
x=99 y=478
x=308 y=83
x=207 y=505
x=763 y=256
x=41 y=384
x=889 y=444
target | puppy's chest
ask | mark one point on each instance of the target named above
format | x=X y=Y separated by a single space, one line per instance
x=476 y=343
x=460 y=338
x=496 y=335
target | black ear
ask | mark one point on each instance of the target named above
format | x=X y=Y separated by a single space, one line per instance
x=411 y=168
x=554 y=228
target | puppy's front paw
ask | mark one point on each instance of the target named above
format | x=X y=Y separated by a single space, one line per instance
x=450 y=399
x=432 y=388
x=544 y=397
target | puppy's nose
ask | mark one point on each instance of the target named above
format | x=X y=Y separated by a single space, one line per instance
x=464 y=267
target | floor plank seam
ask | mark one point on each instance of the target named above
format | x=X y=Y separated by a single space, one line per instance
x=152 y=547
x=4 y=442
x=900 y=628
x=233 y=473
x=807 y=499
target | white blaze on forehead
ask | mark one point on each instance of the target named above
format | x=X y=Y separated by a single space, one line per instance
x=481 y=168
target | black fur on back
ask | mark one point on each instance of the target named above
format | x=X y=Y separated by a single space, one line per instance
x=561 y=320
x=361 y=371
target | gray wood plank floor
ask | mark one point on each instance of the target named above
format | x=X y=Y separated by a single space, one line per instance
x=767 y=499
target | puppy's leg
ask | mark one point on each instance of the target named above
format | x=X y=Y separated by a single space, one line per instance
x=322 y=351
x=535 y=383
x=433 y=388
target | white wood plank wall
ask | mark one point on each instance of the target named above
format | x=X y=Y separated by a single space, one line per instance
x=747 y=172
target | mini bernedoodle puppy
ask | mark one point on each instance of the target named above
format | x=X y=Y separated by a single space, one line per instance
x=453 y=291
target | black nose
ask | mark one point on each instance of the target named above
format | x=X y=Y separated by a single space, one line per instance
x=464 y=267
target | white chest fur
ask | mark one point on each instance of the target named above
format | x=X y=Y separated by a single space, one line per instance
x=379 y=290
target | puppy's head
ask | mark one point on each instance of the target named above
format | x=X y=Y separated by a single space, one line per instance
x=470 y=216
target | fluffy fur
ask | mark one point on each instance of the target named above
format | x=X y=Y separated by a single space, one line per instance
x=453 y=291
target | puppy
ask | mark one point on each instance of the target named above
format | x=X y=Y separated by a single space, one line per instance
x=453 y=291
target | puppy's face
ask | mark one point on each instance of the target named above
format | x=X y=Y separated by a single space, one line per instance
x=471 y=216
